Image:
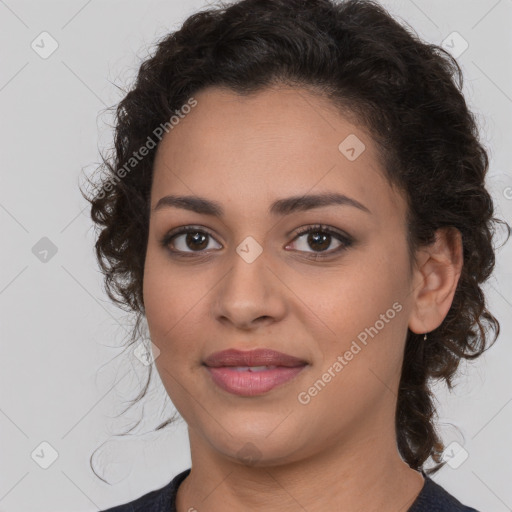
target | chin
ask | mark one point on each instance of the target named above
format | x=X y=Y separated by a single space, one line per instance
x=259 y=449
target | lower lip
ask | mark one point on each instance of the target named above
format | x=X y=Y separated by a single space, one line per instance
x=247 y=383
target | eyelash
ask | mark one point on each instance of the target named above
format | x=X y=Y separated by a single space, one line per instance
x=345 y=240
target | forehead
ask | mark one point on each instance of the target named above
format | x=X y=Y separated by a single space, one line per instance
x=247 y=151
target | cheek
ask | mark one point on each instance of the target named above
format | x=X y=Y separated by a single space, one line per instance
x=174 y=303
x=356 y=294
x=169 y=300
x=167 y=289
x=364 y=305
x=162 y=299
x=370 y=347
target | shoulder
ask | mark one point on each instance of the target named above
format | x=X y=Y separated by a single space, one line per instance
x=159 y=500
x=434 y=498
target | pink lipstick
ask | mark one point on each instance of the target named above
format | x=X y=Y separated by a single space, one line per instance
x=254 y=372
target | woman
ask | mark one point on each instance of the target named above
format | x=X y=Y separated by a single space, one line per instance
x=297 y=207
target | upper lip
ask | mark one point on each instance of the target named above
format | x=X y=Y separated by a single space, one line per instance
x=258 y=357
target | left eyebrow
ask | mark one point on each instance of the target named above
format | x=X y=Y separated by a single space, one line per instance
x=281 y=207
x=308 y=202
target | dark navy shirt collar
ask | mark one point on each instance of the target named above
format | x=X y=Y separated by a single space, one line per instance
x=432 y=498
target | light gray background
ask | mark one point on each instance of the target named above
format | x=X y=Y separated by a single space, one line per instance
x=60 y=379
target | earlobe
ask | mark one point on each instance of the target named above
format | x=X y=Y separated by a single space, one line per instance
x=435 y=280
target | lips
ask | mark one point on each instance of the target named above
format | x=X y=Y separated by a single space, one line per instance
x=252 y=358
x=252 y=373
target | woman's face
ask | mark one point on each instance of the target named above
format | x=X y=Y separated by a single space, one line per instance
x=244 y=278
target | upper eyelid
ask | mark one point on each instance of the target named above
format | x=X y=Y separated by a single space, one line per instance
x=300 y=231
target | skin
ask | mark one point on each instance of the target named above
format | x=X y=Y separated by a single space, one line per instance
x=337 y=452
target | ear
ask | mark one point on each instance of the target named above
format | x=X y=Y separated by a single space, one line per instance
x=437 y=270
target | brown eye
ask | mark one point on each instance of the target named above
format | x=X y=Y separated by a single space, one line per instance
x=188 y=241
x=320 y=239
x=196 y=241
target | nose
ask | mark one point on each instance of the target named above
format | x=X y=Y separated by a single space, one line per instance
x=250 y=294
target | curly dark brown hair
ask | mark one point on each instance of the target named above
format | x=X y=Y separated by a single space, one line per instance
x=405 y=92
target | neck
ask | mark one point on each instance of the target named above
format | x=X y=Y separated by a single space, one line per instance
x=366 y=476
